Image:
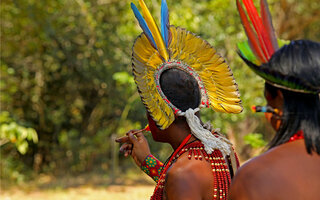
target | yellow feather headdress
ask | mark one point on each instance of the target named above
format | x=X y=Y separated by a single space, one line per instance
x=175 y=47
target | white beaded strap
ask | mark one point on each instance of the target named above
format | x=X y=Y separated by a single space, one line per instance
x=209 y=140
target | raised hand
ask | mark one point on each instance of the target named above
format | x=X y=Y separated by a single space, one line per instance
x=136 y=146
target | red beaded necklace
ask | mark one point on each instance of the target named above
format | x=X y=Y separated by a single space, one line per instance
x=170 y=160
x=297 y=136
x=220 y=169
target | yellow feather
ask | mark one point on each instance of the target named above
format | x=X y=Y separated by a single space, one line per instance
x=145 y=53
x=154 y=30
x=211 y=67
x=145 y=61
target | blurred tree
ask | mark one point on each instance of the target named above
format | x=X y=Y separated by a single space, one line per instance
x=60 y=57
x=65 y=72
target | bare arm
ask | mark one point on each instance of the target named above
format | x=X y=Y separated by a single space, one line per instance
x=182 y=186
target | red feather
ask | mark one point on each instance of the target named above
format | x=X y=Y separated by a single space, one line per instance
x=252 y=37
x=267 y=21
x=257 y=24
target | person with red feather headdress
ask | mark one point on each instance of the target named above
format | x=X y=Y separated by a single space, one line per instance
x=290 y=168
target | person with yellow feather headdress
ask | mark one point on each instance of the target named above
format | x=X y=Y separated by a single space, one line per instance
x=178 y=73
x=291 y=70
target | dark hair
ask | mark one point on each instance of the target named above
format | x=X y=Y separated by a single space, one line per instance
x=297 y=63
x=180 y=88
x=301 y=111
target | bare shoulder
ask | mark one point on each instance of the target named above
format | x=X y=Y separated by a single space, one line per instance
x=253 y=174
x=184 y=164
x=260 y=166
x=273 y=170
x=187 y=179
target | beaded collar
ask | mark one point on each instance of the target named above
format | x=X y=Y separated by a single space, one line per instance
x=220 y=169
x=297 y=136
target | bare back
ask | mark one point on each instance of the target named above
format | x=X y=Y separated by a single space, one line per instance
x=284 y=172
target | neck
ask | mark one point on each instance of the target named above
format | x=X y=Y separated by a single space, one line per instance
x=177 y=133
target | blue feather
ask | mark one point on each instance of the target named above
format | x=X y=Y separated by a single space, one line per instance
x=143 y=25
x=165 y=22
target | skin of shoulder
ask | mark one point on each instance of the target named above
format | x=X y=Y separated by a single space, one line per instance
x=189 y=179
x=244 y=184
x=278 y=174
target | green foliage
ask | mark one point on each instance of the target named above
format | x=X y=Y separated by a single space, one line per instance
x=255 y=140
x=124 y=78
x=12 y=132
x=14 y=138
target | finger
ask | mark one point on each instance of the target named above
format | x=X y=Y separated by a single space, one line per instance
x=132 y=138
x=122 y=139
x=127 y=153
x=125 y=148
x=140 y=136
x=131 y=131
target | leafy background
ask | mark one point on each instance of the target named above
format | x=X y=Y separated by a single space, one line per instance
x=66 y=90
